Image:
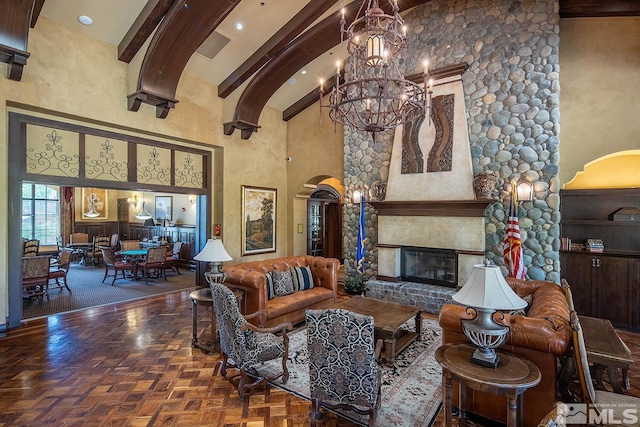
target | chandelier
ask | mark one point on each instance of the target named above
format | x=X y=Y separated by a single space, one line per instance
x=375 y=96
x=144 y=214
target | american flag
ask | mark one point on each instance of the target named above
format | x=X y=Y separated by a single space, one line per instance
x=361 y=239
x=512 y=249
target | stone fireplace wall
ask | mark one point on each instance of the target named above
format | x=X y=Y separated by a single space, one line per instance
x=511 y=96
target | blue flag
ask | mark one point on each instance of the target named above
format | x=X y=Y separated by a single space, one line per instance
x=361 y=238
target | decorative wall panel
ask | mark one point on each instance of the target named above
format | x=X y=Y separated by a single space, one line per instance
x=441 y=153
x=188 y=170
x=106 y=159
x=154 y=165
x=52 y=152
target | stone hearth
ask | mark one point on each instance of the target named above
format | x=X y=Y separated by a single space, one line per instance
x=430 y=298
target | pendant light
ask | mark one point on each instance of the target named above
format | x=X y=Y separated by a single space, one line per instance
x=143 y=215
x=92 y=199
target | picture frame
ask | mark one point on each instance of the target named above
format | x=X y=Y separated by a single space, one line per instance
x=258 y=220
x=164 y=208
x=99 y=197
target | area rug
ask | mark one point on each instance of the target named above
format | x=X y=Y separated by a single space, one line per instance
x=411 y=387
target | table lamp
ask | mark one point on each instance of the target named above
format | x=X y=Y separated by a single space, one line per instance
x=215 y=253
x=485 y=292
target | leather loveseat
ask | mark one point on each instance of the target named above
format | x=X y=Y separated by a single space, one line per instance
x=250 y=277
x=542 y=335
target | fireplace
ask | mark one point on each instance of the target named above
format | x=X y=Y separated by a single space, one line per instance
x=429 y=265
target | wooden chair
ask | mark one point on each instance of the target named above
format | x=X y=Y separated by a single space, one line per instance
x=245 y=346
x=60 y=269
x=35 y=276
x=31 y=247
x=130 y=245
x=111 y=263
x=598 y=400
x=343 y=370
x=154 y=260
x=99 y=242
x=172 y=259
x=79 y=238
x=115 y=238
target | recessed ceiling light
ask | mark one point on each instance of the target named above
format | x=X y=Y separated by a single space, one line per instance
x=85 y=20
x=303 y=72
x=292 y=81
x=239 y=26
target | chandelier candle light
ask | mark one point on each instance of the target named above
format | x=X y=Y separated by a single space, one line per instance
x=375 y=96
x=485 y=292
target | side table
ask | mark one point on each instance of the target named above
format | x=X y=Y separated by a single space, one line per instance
x=513 y=376
x=203 y=297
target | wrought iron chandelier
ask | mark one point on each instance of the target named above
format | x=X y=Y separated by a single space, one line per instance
x=375 y=96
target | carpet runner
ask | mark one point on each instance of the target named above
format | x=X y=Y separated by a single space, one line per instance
x=411 y=387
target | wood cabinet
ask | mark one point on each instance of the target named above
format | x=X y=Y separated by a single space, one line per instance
x=604 y=285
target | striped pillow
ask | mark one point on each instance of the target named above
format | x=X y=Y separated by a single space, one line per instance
x=270 y=292
x=302 y=278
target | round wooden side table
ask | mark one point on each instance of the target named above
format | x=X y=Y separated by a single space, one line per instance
x=513 y=376
x=203 y=297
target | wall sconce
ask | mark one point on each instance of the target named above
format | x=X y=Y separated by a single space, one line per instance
x=357 y=196
x=192 y=199
x=524 y=190
x=133 y=201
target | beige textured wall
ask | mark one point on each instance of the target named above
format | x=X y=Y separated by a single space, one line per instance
x=78 y=78
x=600 y=95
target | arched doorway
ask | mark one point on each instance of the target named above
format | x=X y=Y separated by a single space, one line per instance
x=324 y=210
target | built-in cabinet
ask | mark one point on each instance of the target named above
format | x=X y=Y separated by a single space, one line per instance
x=604 y=285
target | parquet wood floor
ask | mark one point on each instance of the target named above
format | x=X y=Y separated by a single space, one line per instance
x=132 y=364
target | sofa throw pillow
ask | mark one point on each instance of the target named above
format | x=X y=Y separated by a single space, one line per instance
x=282 y=283
x=302 y=278
x=523 y=311
x=270 y=292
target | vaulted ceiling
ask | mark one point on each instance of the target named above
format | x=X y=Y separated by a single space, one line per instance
x=277 y=58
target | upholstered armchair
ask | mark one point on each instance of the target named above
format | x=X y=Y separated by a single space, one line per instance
x=35 y=275
x=112 y=263
x=245 y=346
x=173 y=258
x=99 y=242
x=154 y=260
x=343 y=368
x=60 y=269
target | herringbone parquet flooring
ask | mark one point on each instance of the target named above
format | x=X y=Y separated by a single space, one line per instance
x=132 y=364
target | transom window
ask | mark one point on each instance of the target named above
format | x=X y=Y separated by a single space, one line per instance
x=41 y=212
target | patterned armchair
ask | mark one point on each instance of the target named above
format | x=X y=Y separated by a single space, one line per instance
x=35 y=275
x=245 y=346
x=343 y=368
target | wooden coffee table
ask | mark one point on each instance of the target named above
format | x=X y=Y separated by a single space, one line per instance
x=388 y=317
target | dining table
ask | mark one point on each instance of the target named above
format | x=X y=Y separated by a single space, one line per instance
x=84 y=249
x=134 y=256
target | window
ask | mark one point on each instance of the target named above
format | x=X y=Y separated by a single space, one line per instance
x=41 y=212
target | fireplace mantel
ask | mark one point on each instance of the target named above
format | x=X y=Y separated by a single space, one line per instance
x=459 y=208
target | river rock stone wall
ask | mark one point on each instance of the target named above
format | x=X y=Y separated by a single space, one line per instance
x=512 y=93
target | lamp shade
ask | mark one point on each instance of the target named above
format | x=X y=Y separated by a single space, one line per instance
x=486 y=288
x=213 y=251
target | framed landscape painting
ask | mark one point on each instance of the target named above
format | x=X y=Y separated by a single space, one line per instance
x=259 y=220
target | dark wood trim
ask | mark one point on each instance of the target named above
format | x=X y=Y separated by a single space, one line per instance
x=310 y=98
x=457 y=208
x=171 y=47
x=142 y=28
x=306 y=47
x=389 y=279
x=598 y=8
x=388 y=246
x=246 y=128
x=14 y=34
x=466 y=252
x=440 y=73
x=37 y=8
x=312 y=11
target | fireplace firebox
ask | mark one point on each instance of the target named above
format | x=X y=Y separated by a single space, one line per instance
x=429 y=265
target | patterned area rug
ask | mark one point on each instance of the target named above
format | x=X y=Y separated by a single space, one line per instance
x=411 y=387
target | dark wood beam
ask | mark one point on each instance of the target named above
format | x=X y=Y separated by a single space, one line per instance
x=465 y=208
x=142 y=28
x=598 y=8
x=37 y=8
x=185 y=27
x=304 y=49
x=310 y=98
x=14 y=33
x=312 y=11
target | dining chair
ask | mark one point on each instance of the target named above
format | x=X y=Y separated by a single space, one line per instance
x=599 y=401
x=154 y=260
x=343 y=363
x=111 y=263
x=115 y=238
x=173 y=258
x=130 y=245
x=31 y=247
x=60 y=269
x=245 y=346
x=79 y=238
x=35 y=276
x=99 y=242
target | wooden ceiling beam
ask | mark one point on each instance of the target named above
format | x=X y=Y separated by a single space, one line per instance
x=14 y=34
x=142 y=28
x=598 y=8
x=304 y=49
x=303 y=19
x=185 y=27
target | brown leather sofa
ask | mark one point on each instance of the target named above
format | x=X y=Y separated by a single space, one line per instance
x=542 y=335
x=250 y=277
